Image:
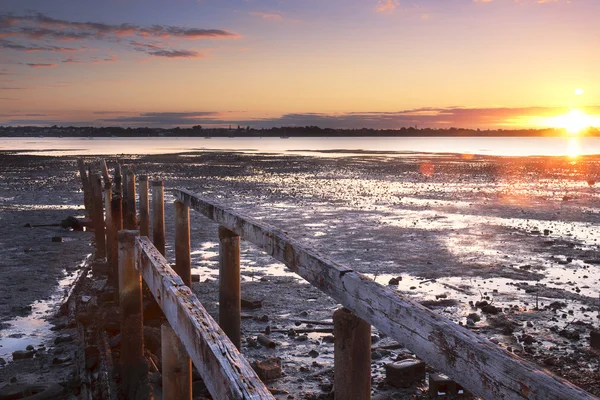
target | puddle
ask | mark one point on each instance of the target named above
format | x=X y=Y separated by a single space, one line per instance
x=34 y=329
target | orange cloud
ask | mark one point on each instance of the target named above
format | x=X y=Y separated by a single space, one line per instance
x=386 y=6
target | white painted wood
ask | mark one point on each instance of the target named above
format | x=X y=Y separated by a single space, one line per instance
x=225 y=372
x=477 y=364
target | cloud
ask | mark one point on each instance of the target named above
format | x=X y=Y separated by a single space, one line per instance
x=40 y=26
x=38 y=32
x=160 y=119
x=437 y=118
x=175 y=53
x=41 y=65
x=386 y=6
x=9 y=45
x=268 y=16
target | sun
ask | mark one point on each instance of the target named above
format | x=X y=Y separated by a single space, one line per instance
x=574 y=122
x=579 y=91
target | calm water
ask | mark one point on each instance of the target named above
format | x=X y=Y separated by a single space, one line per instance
x=555 y=146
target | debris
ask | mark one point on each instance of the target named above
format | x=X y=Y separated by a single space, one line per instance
x=268 y=369
x=404 y=373
x=265 y=341
x=251 y=304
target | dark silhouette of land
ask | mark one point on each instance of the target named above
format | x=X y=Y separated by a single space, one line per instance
x=283 y=132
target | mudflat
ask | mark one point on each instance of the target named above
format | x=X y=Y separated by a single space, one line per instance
x=506 y=246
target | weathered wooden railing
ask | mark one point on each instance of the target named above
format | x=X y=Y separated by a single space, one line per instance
x=474 y=362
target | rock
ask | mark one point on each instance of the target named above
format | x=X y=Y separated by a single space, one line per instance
x=268 y=369
x=326 y=387
x=404 y=373
x=527 y=339
x=328 y=339
x=195 y=278
x=490 y=309
x=251 y=304
x=313 y=353
x=571 y=335
x=393 y=281
x=555 y=305
x=23 y=354
x=474 y=317
x=2 y=362
x=28 y=348
x=57 y=239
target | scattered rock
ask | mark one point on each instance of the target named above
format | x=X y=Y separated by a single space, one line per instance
x=268 y=369
x=395 y=281
x=251 y=304
x=569 y=334
x=405 y=372
x=474 y=317
x=23 y=354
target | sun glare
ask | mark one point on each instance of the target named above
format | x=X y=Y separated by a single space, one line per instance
x=574 y=122
x=579 y=91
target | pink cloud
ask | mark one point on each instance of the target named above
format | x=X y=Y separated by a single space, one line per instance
x=41 y=65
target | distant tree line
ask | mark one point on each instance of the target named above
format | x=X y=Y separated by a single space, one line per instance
x=284 y=132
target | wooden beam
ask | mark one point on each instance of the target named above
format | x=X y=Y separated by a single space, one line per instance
x=225 y=372
x=473 y=361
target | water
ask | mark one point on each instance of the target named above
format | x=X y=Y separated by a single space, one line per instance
x=497 y=146
x=34 y=329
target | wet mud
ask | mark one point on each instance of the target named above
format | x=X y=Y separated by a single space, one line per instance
x=504 y=246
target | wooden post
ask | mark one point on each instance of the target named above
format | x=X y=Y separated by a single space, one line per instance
x=144 y=207
x=118 y=180
x=134 y=370
x=158 y=216
x=230 y=308
x=105 y=174
x=352 y=356
x=110 y=233
x=116 y=226
x=98 y=217
x=176 y=364
x=129 y=213
x=124 y=197
x=87 y=190
x=183 y=258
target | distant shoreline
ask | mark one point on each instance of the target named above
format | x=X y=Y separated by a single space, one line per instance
x=281 y=132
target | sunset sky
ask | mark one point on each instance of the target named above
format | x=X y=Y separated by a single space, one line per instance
x=333 y=63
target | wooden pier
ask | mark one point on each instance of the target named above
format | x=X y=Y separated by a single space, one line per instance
x=478 y=365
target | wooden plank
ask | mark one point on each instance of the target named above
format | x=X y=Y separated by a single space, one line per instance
x=225 y=372
x=477 y=364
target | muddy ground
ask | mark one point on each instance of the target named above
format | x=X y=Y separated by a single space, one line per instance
x=520 y=233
